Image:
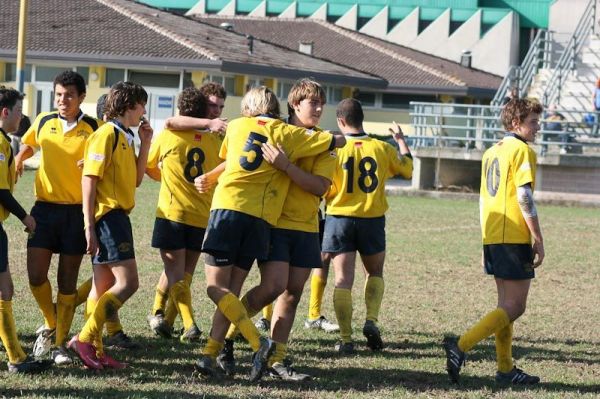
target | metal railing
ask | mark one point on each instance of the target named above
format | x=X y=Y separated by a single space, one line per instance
x=520 y=77
x=478 y=126
x=567 y=62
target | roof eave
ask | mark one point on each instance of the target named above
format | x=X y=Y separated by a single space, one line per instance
x=105 y=59
x=293 y=74
x=477 y=92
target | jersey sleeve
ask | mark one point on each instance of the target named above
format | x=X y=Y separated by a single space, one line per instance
x=399 y=165
x=324 y=165
x=155 y=149
x=4 y=168
x=223 y=149
x=300 y=143
x=524 y=164
x=30 y=136
x=98 y=153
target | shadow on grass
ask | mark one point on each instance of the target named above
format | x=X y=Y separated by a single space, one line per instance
x=105 y=392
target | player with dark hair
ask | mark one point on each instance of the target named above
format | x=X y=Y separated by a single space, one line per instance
x=355 y=221
x=111 y=173
x=60 y=136
x=513 y=245
x=11 y=103
x=182 y=212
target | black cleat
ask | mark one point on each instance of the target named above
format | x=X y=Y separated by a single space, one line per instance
x=455 y=358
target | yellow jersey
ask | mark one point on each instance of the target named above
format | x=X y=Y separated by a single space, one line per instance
x=110 y=156
x=183 y=156
x=58 y=178
x=7 y=170
x=301 y=208
x=363 y=166
x=251 y=185
x=508 y=164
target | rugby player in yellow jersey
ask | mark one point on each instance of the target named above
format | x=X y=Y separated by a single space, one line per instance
x=164 y=312
x=355 y=221
x=295 y=247
x=513 y=245
x=182 y=212
x=116 y=337
x=10 y=116
x=111 y=173
x=60 y=136
x=248 y=200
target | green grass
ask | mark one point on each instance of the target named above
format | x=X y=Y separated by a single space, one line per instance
x=434 y=286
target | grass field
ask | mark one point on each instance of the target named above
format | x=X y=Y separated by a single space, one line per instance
x=434 y=286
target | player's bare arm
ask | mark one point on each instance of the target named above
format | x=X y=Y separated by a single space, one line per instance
x=182 y=122
x=398 y=135
x=529 y=211
x=208 y=180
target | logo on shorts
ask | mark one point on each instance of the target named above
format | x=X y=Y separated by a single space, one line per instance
x=125 y=247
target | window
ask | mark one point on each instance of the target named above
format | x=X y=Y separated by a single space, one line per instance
x=254 y=81
x=334 y=94
x=10 y=72
x=228 y=82
x=113 y=76
x=151 y=79
x=47 y=73
x=402 y=101
x=367 y=99
x=283 y=89
x=84 y=71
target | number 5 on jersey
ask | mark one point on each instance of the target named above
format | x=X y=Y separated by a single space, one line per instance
x=253 y=146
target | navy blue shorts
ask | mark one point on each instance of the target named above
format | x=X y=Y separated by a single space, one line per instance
x=235 y=238
x=3 y=250
x=349 y=234
x=115 y=238
x=172 y=235
x=297 y=248
x=509 y=261
x=59 y=228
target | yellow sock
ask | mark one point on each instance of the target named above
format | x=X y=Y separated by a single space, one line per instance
x=317 y=288
x=43 y=296
x=113 y=327
x=83 y=291
x=233 y=331
x=107 y=306
x=504 y=349
x=171 y=310
x=182 y=298
x=65 y=310
x=342 y=303
x=233 y=309
x=279 y=354
x=374 y=287
x=212 y=348
x=492 y=322
x=160 y=301
x=90 y=305
x=8 y=334
x=268 y=312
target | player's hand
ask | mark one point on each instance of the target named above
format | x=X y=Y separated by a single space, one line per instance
x=275 y=156
x=80 y=164
x=204 y=183
x=538 y=253
x=145 y=131
x=92 y=241
x=18 y=168
x=29 y=223
x=218 y=125
x=396 y=131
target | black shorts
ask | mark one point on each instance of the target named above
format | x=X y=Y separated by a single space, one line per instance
x=115 y=238
x=171 y=235
x=3 y=250
x=59 y=228
x=509 y=261
x=349 y=234
x=298 y=248
x=235 y=238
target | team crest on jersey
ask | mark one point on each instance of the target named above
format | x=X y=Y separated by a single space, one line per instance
x=52 y=129
x=96 y=157
x=197 y=137
x=358 y=144
x=261 y=122
x=333 y=154
x=82 y=133
x=2 y=158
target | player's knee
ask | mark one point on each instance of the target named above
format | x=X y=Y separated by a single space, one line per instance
x=514 y=309
x=37 y=279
